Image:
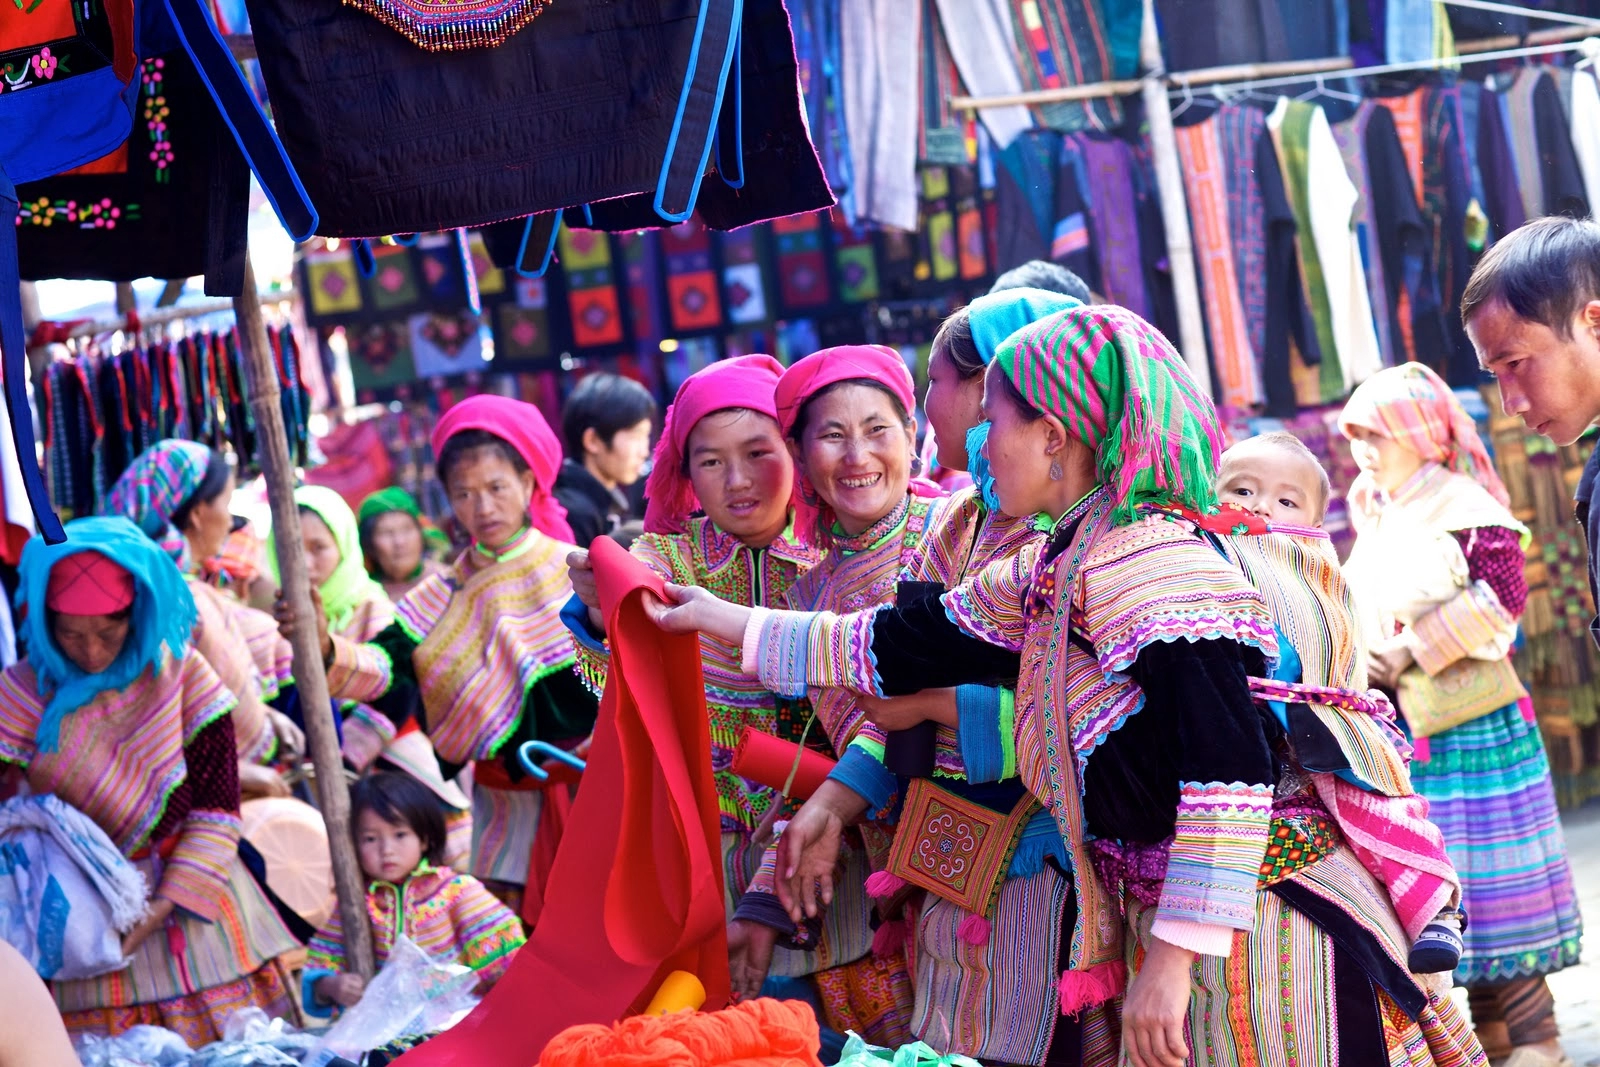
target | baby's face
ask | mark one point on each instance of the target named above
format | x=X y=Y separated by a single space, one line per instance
x=1279 y=485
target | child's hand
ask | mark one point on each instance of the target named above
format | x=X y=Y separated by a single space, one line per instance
x=342 y=989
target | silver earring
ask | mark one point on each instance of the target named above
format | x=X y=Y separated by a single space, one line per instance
x=1055 y=472
x=916 y=466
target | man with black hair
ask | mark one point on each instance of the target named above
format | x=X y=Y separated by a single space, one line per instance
x=605 y=425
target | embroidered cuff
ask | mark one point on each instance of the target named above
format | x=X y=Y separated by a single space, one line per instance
x=197 y=872
x=988 y=750
x=1205 y=938
x=367 y=732
x=359 y=672
x=1459 y=627
x=866 y=776
x=575 y=614
x=315 y=1006
x=750 y=656
x=764 y=908
x=1219 y=838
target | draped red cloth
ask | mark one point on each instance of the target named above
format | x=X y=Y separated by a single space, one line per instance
x=636 y=890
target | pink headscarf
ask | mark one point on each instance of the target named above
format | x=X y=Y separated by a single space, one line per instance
x=1412 y=405
x=807 y=377
x=747 y=382
x=521 y=426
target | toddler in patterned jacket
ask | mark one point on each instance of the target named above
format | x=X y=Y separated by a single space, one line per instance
x=399 y=829
x=1277 y=478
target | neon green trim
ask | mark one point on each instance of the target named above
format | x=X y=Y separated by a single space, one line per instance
x=869 y=746
x=527 y=687
x=521 y=544
x=1008 y=735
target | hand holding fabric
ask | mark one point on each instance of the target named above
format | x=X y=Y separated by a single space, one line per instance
x=580 y=572
x=692 y=608
x=286 y=622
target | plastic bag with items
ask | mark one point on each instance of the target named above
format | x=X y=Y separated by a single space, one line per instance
x=140 y=1046
x=412 y=994
x=857 y=1053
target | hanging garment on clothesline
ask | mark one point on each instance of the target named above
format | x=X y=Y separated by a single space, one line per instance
x=100 y=411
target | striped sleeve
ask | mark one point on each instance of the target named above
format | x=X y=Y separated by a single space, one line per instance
x=197 y=872
x=1218 y=840
x=797 y=650
x=1458 y=627
x=324 y=957
x=361 y=672
x=487 y=933
x=989 y=604
x=19 y=716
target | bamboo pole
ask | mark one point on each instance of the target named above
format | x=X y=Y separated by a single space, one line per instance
x=333 y=795
x=1174 y=204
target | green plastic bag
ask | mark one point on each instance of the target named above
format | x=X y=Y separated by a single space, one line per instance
x=857 y=1053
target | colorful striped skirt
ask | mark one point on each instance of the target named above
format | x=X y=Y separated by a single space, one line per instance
x=1488 y=787
x=191 y=976
x=996 y=1002
x=1279 y=997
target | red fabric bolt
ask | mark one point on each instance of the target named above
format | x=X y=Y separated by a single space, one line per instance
x=645 y=816
x=523 y=427
x=742 y=382
x=88 y=583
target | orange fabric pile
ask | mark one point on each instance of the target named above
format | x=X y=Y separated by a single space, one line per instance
x=756 y=1033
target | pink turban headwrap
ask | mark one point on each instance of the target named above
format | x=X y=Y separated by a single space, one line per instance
x=748 y=382
x=1412 y=405
x=522 y=426
x=807 y=377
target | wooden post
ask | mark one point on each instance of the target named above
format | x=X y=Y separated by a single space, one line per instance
x=1174 y=205
x=272 y=444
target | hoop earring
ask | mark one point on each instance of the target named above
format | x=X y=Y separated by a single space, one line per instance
x=916 y=466
x=1055 y=472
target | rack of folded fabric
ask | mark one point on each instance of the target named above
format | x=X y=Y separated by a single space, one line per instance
x=104 y=404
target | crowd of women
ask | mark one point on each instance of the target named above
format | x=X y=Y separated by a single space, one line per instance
x=1114 y=771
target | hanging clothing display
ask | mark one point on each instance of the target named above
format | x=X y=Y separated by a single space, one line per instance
x=170 y=202
x=620 y=106
x=981 y=43
x=101 y=411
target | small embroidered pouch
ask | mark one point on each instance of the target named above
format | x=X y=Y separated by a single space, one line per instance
x=954 y=847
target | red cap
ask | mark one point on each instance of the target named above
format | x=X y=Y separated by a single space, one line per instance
x=88 y=583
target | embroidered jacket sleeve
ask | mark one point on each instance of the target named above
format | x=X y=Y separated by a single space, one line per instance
x=594 y=651
x=1163 y=607
x=487 y=933
x=367 y=672
x=195 y=875
x=19 y=717
x=1486 y=611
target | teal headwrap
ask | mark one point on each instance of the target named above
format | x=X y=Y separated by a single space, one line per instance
x=993 y=318
x=163 y=615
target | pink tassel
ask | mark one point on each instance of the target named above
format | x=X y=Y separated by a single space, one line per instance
x=974 y=930
x=890 y=938
x=1419 y=750
x=884 y=884
x=1085 y=989
x=1528 y=714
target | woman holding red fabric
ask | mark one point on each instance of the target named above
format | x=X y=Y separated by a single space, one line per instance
x=847 y=414
x=482 y=644
x=113 y=713
x=1134 y=640
x=721 y=516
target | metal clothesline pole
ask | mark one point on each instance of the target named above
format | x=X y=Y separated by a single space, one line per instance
x=1526 y=12
x=163 y=316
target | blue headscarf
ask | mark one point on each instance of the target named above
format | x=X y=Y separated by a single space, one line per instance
x=163 y=615
x=993 y=318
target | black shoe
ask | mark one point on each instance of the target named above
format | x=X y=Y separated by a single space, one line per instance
x=1438 y=949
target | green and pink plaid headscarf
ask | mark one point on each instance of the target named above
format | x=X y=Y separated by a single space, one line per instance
x=1121 y=388
x=155 y=485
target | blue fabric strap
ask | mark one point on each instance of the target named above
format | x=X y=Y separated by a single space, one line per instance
x=730 y=124
x=538 y=239
x=716 y=36
x=239 y=109
x=14 y=365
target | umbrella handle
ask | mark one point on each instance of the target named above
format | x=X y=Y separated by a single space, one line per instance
x=530 y=750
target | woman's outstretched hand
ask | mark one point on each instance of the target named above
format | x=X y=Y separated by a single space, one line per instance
x=691 y=608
